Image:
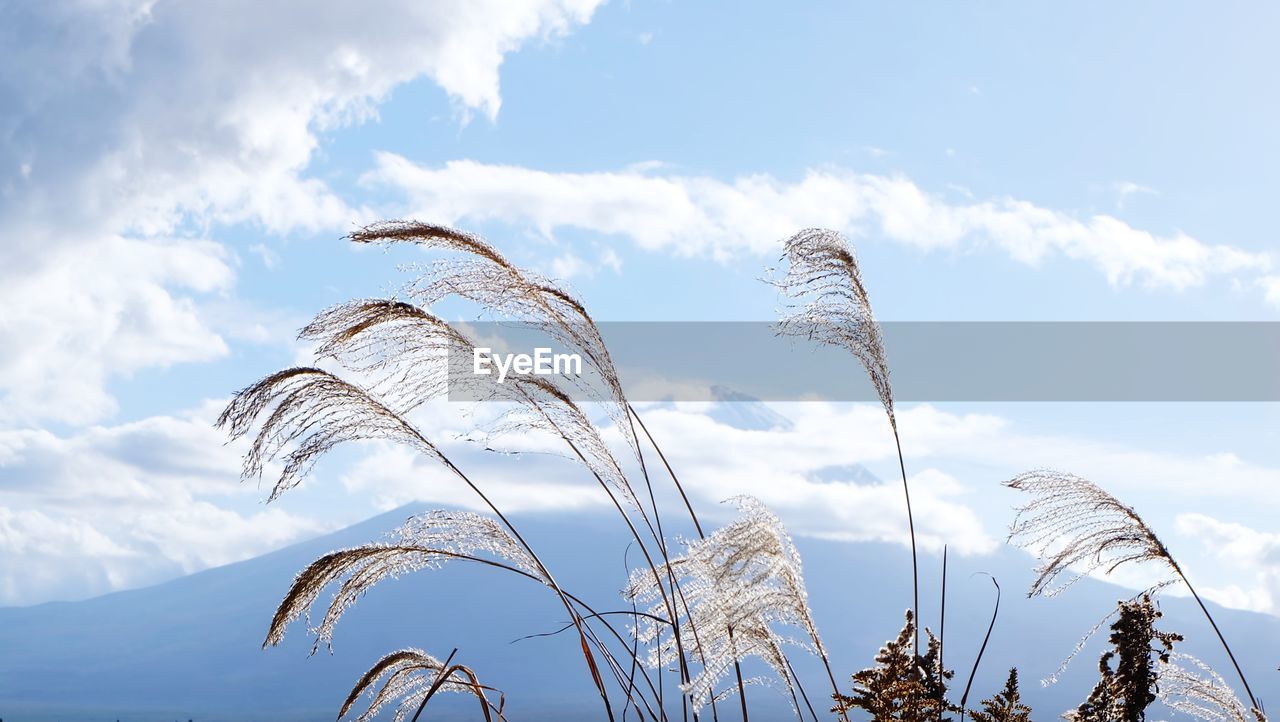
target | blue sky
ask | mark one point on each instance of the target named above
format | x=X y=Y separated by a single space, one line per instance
x=174 y=181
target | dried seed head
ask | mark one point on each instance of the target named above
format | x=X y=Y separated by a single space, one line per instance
x=1077 y=528
x=738 y=584
x=484 y=276
x=307 y=412
x=407 y=676
x=823 y=274
x=406 y=352
x=426 y=541
x=1190 y=686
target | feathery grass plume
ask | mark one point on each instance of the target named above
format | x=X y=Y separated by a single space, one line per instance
x=412 y=676
x=823 y=273
x=489 y=279
x=544 y=406
x=411 y=357
x=405 y=351
x=1192 y=687
x=1072 y=524
x=486 y=277
x=311 y=411
x=738 y=582
x=425 y=541
x=754 y=638
x=1071 y=521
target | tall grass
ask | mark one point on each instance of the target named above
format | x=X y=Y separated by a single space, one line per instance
x=698 y=609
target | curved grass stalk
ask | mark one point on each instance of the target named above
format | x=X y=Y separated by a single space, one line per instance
x=823 y=272
x=995 y=613
x=1071 y=523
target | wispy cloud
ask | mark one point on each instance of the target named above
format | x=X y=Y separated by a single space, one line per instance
x=704 y=216
x=1125 y=190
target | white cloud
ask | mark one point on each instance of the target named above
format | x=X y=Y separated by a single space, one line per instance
x=215 y=109
x=1244 y=552
x=270 y=259
x=1271 y=289
x=129 y=123
x=810 y=477
x=1123 y=191
x=395 y=476
x=702 y=216
x=111 y=307
x=809 y=472
x=120 y=506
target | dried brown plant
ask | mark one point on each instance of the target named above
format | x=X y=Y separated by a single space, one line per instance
x=902 y=686
x=1124 y=693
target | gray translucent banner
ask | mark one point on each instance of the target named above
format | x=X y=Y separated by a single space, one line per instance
x=929 y=361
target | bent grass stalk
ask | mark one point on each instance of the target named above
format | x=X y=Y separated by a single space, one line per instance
x=823 y=273
x=1073 y=523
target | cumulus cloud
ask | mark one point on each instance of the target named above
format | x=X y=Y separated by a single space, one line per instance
x=111 y=307
x=216 y=110
x=815 y=479
x=129 y=126
x=703 y=216
x=118 y=506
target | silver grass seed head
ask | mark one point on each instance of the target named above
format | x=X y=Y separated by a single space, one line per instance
x=486 y=277
x=426 y=541
x=1076 y=528
x=1192 y=687
x=833 y=307
x=739 y=585
x=301 y=414
x=405 y=675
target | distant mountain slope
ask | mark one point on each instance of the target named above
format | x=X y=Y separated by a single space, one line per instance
x=190 y=648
